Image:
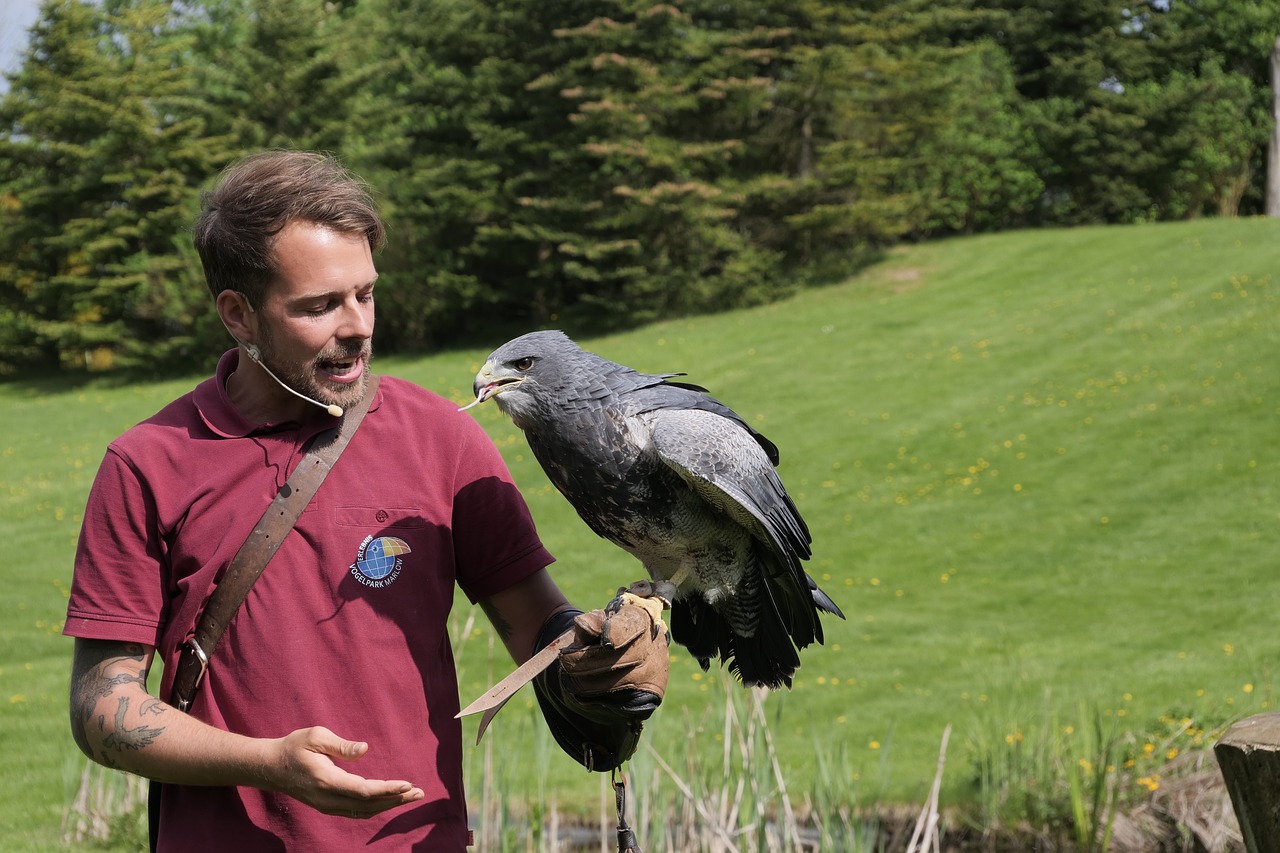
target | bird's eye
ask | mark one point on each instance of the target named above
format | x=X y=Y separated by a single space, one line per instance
x=522 y=364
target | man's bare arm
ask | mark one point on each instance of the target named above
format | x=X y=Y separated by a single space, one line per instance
x=116 y=722
x=105 y=674
x=519 y=612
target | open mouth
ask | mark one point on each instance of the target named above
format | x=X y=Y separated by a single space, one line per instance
x=493 y=389
x=348 y=370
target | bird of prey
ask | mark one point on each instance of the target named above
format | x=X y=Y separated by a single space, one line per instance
x=675 y=477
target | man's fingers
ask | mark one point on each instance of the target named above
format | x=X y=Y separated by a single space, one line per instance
x=352 y=749
x=355 y=796
x=379 y=796
x=341 y=792
x=325 y=742
x=388 y=793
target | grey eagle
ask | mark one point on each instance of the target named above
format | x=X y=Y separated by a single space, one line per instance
x=675 y=477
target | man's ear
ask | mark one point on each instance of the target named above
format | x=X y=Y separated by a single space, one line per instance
x=237 y=315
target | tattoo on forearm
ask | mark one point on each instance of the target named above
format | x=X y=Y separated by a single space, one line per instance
x=95 y=676
x=502 y=626
x=129 y=738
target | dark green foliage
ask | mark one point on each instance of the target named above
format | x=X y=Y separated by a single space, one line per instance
x=599 y=163
x=976 y=169
x=269 y=71
x=468 y=158
x=665 y=106
x=1141 y=111
x=102 y=148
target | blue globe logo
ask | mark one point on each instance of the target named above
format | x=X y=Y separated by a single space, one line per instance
x=380 y=556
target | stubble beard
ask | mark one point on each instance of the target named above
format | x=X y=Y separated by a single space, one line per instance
x=307 y=378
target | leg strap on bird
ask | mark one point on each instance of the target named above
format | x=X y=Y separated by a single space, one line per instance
x=626 y=838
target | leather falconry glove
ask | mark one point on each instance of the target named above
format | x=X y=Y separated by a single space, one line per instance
x=619 y=657
x=613 y=676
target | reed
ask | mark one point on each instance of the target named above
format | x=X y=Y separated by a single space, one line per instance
x=109 y=807
x=720 y=789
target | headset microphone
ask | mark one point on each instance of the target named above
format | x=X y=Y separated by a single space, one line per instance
x=256 y=356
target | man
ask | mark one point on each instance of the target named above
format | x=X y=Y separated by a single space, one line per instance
x=326 y=718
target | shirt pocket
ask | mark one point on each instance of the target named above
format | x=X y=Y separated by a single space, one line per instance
x=373 y=517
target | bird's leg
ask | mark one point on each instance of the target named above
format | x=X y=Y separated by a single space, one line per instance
x=668 y=589
x=651 y=596
x=663 y=590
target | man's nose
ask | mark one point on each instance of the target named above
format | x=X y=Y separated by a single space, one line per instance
x=357 y=320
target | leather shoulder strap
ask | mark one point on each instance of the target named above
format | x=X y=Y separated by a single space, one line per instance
x=267 y=536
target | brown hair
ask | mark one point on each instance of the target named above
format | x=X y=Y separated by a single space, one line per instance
x=256 y=198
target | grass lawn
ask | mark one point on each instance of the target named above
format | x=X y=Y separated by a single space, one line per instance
x=1040 y=469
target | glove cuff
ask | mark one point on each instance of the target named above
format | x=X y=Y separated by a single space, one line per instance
x=594 y=743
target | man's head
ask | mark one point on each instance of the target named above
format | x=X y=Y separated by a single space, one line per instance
x=287 y=240
x=255 y=200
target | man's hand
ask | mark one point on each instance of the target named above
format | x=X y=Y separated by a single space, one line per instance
x=619 y=659
x=305 y=770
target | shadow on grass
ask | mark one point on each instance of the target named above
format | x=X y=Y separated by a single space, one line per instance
x=48 y=382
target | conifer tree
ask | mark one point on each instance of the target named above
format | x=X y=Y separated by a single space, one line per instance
x=99 y=159
x=269 y=71
x=476 y=167
x=1132 y=104
x=670 y=105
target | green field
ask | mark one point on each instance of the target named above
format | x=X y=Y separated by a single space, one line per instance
x=1041 y=470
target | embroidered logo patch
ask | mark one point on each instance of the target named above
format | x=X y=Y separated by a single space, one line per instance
x=379 y=560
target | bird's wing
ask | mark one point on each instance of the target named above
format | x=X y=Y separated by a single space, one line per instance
x=654 y=392
x=724 y=463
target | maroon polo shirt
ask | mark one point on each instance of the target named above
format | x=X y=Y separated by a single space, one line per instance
x=346 y=628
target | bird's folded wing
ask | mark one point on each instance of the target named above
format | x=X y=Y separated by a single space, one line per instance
x=722 y=462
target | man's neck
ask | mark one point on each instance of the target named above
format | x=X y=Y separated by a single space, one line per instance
x=259 y=400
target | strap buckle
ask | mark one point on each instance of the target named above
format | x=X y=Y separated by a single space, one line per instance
x=190 y=651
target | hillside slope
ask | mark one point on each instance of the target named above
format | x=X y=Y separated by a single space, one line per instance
x=1041 y=474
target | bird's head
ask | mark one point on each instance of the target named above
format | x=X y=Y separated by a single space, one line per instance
x=527 y=375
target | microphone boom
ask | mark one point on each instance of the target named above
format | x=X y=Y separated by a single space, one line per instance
x=252 y=351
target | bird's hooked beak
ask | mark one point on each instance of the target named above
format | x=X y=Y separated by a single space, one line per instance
x=487 y=385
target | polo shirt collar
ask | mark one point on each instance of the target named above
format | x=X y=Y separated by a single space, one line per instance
x=221 y=416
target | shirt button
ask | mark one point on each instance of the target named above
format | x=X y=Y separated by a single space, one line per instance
x=381 y=516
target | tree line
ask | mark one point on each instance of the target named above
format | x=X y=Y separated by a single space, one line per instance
x=597 y=163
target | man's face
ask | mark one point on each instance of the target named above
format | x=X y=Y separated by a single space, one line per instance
x=315 y=326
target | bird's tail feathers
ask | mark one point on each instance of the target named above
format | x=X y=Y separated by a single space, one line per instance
x=766 y=658
x=783 y=619
x=693 y=625
x=821 y=600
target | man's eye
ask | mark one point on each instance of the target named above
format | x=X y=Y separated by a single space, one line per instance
x=522 y=364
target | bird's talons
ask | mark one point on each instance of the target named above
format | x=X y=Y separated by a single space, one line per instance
x=664 y=591
x=652 y=596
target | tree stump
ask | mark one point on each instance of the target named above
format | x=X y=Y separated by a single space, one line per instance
x=1249 y=755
